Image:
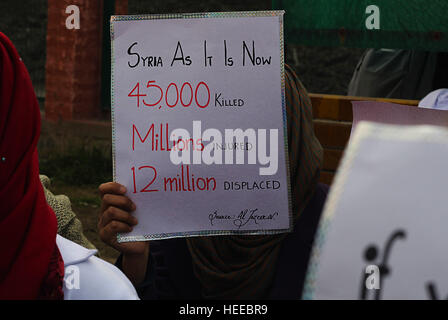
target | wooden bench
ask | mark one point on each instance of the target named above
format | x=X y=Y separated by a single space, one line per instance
x=333 y=118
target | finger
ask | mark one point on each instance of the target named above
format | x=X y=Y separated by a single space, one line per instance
x=119 y=201
x=109 y=233
x=117 y=214
x=111 y=188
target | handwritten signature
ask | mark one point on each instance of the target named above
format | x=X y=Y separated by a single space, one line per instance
x=243 y=218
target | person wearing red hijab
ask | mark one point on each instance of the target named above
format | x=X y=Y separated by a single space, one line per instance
x=31 y=266
x=33 y=255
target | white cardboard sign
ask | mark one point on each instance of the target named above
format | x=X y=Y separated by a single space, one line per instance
x=199 y=123
x=383 y=231
x=391 y=113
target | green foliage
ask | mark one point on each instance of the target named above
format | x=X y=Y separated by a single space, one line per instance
x=80 y=165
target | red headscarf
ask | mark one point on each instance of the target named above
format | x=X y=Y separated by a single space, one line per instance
x=31 y=266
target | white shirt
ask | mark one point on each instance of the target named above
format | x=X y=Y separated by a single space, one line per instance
x=90 y=278
x=435 y=100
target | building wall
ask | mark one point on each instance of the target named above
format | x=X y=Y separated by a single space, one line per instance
x=74 y=59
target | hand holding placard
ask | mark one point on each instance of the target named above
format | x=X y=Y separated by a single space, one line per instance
x=199 y=125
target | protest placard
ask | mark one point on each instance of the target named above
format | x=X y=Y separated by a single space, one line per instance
x=199 y=123
x=391 y=113
x=383 y=230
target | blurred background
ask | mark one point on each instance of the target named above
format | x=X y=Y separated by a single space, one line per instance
x=323 y=70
